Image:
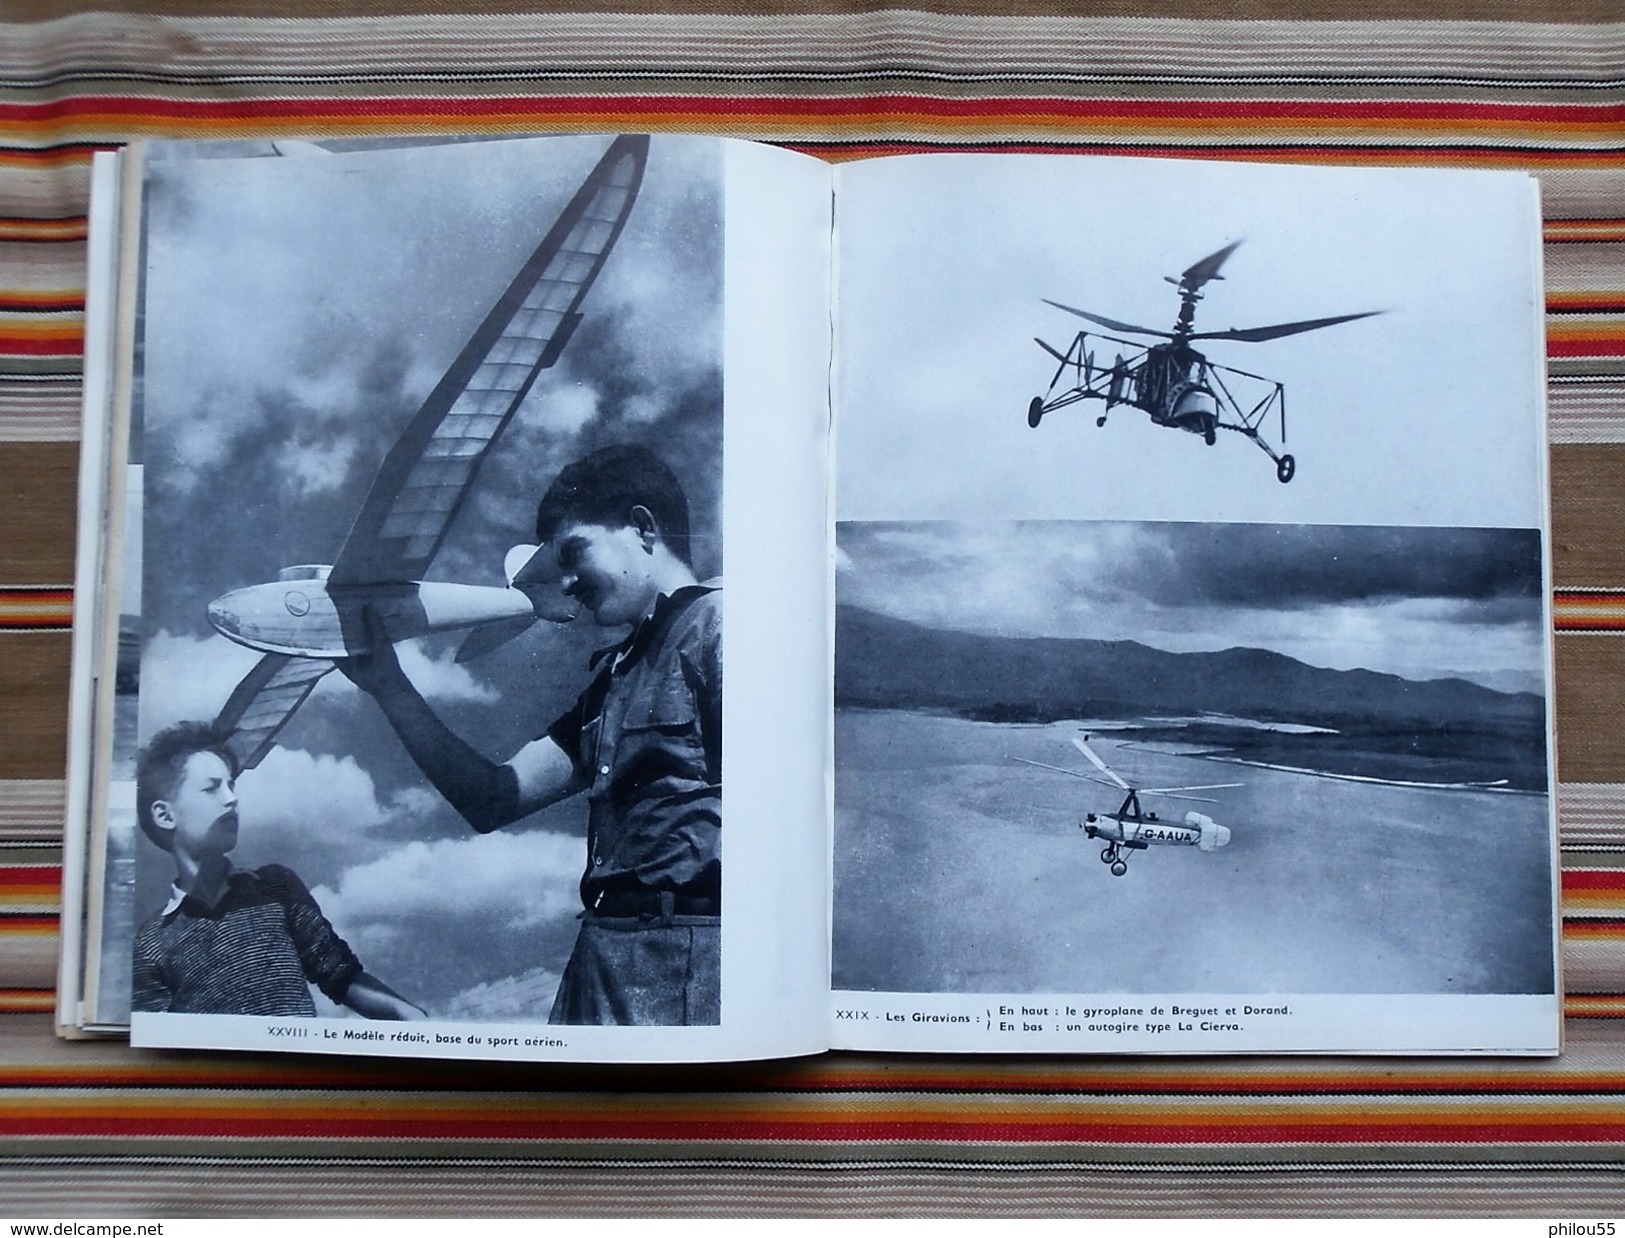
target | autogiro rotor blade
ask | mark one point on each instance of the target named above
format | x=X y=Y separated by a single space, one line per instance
x=1206 y=786
x=1061 y=769
x=1110 y=323
x=1255 y=335
x=1089 y=752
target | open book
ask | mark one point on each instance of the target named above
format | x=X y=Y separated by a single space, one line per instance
x=1078 y=698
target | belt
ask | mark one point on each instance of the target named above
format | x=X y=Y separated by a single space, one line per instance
x=653 y=904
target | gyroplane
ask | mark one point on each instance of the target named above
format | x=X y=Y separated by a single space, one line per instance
x=1172 y=382
x=313 y=613
x=1131 y=828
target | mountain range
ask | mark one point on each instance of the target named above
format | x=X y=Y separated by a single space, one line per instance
x=882 y=662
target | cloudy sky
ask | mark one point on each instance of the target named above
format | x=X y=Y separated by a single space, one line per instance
x=300 y=308
x=1418 y=602
x=1425 y=414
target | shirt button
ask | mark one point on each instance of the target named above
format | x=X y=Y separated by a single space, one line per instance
x=603 y=769
x=598 y=861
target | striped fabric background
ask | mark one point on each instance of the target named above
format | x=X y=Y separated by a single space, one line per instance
x=97 y=1128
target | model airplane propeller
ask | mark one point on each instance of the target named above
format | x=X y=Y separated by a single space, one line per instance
x=1173 y=383
x=1132 y=829
x=313 y=614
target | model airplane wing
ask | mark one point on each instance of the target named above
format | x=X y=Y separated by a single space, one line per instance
x=428 y=472
x=264 y=701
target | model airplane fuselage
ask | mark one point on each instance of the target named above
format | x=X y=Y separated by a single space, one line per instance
x=299 y=614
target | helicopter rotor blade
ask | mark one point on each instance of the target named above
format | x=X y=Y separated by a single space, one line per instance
x=1089 y=752
x=1255 y=335
x=1111 y=324
x=1198 y=273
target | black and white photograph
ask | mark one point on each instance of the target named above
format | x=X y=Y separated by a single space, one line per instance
x=1154 y=758
x=1065 y=338
x=430 y=665
x=1201 y=647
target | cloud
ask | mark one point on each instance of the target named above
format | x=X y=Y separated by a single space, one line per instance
x=315 y=468
x=1042 y=567
x=1415 y=601
x=439 y=677
x=1307 y=565
x=184 y=678
x=292 y=788
x=504 y=883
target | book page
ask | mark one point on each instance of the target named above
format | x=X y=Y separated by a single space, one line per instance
x=362 y=372
x=1192 y=680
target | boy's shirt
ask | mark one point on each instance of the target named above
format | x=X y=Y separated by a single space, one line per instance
x=252 y=953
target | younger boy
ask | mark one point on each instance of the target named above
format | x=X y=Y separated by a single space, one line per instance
x=231 y=941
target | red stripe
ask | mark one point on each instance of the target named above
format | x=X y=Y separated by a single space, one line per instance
x=1586 y=348
x=1593 y=879
x=43 y=304
x=893 y=105
x=28 y=347
x=1479 y=1128
x=836 y=1075
x=31 y=874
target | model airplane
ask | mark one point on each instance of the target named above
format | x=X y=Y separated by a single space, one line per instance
x=1132 y=829
x=1173 y=383
x=313 y=614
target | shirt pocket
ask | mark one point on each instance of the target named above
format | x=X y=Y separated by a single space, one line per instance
x=660 y=736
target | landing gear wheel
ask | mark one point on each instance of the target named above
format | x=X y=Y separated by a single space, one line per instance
x=1035 y=411
x=1210 y=436
x=1284 y=468
x=1108 y=855
x=1100 y=421
x=1119 y=869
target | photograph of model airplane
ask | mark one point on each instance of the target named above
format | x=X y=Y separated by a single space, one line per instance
x=1174 y=383
x=1131 y=828
x=313 y=614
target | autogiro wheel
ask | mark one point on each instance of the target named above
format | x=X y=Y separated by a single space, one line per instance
x=1119 y=868
x=1285 y=467
x=1035 y=411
